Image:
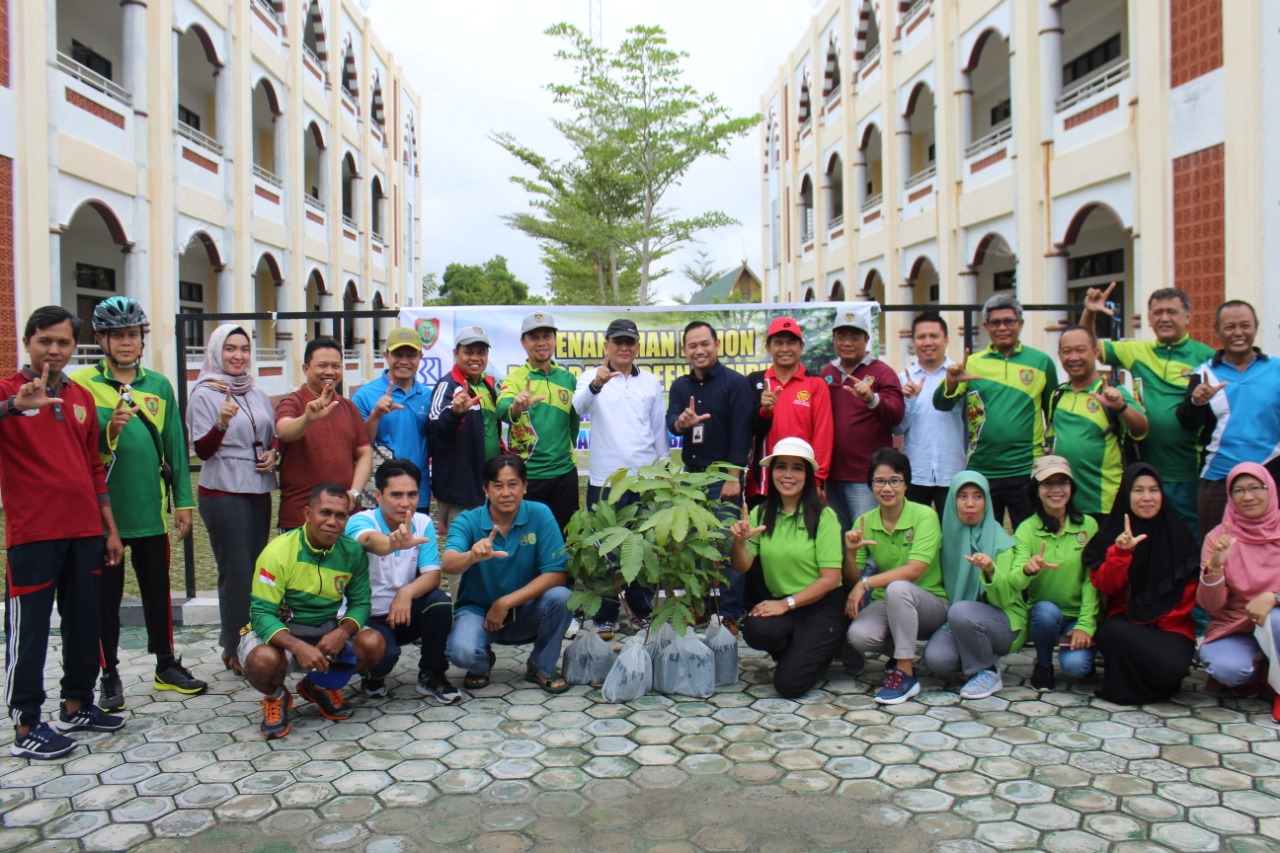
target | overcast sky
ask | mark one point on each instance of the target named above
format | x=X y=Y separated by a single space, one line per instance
x=481 y=68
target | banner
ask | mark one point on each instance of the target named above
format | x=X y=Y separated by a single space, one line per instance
x=580 y=336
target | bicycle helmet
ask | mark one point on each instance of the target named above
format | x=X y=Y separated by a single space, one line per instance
x=119 y=312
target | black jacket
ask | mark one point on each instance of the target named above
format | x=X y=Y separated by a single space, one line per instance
x=457 y=443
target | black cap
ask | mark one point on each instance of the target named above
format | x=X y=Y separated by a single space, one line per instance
x=622 y=329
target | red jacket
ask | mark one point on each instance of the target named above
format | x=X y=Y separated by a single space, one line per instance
x=859 y=429
x=803 y=410
x=1112 y=579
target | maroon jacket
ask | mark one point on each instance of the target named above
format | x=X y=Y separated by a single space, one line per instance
x=860 y=430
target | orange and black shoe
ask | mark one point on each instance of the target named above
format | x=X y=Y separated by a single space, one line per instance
x=275 y=715
x=330 y=703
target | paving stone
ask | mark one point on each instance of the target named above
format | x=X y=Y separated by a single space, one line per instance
x=1184 y=836
x=121 y=836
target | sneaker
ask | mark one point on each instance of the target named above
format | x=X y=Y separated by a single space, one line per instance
x=852 y=659
x=111 y=691
x=330 y=703
x=606 y=630
x=373 y=688
x=575 y=625
x=898 y=688
x=87 y=718
x=175 y=676
x=640 y=624
x=1042 y=677
x=730 y=624
x=982 y=685
x=275 y=715
x=41 y=742
x=435 y=684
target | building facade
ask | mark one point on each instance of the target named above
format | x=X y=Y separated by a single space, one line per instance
x=206 y=156
x=940 y=151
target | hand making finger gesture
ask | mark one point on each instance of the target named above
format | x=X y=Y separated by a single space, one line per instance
x=983 y=562
x=909 y=389
x=855 y=539
x=120 y=418
x=1037 y=562
x=463 y=402
x=1126 y=541
x=768 y=399
x=1205 y=392
x=958 y=372
x=1110 y=397
x=1096 y=300
x=483 y=549
x=1221 y=549
x=35 y=394
x=227 y=411
x=860 y=389
x=689 y=417
x=742 y=529
x=524 y=401
x=322 y=406
x=403 y=538
x=603 y=374
x=386 y=404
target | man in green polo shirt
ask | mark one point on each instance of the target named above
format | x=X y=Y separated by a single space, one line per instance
x=1160 y=371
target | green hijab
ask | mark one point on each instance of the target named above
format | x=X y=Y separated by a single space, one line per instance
x=961 y=578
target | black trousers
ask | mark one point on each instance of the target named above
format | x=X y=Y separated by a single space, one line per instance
x=935 y=496
x=802 y=642
x=150 y=558
x=1144 y=663
x=67 y=570
x=1011 y=493
x=431 y=617
x=558 y=493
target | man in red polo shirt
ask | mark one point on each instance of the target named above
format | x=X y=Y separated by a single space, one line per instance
x=790 y=403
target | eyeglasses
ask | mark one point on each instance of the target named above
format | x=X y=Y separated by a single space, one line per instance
x=1248 y=491
x=1055 y=484
x=896 y=482
x=1004 y=321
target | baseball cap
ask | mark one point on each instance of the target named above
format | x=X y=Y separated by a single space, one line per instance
x=537 y=320
x=784 y=325
x=792 y=446
x=1046 y=466
x=851 y=320
x=471 y=335
x=342 y=667
x=402 y=337
x=622 y=329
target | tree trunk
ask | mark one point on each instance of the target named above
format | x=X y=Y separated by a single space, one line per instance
x=600 y=276
x=613 y=274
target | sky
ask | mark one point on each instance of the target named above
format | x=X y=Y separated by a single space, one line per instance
x=483 y=68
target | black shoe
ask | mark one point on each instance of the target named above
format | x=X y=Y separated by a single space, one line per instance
x=373 y=688
x=1042 y=677
x=174 y=676
x=435 y=685
x=87 y=718
x=41 y=742
x=111 y=691
x=852 y=659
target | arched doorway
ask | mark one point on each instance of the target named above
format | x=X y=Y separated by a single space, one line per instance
x=92 y=256
x=996 y=271
x=317 y=295
x=266 y=279
x=1099 y=251
x=350 y=301
x=198 y=268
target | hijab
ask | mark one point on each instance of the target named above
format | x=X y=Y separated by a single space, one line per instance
x=1162 y=564
x=961 y=578
x=214 y=371
x=1253 y=565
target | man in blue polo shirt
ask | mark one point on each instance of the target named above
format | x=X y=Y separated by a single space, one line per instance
x=395 y=407
x=509 y=558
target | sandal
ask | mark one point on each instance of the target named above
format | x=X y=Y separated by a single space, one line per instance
x=477 y=680
x=553 y=685
x=232 y=663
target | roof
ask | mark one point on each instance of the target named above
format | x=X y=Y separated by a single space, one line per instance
x=722 y=288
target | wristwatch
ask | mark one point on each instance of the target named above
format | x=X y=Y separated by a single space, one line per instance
x=12 y=406
x=355 y=494
x=791 y=602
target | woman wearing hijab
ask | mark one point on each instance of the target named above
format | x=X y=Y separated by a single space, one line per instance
x=1239 y=580
x=1146 y=561
x=232 y=425
x=987 y=617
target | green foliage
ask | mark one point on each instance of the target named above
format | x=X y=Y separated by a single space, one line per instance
x=702 y=274
x=490 y=283
x=669 y=539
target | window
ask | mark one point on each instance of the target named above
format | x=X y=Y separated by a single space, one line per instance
x=1091 y=60
x=188 y=118
x=933 y=293
x=1006 y=280
x=91 y=59
x=190 y=291
x=932 y=155
x=90 y=277
x=1001 y=112
x=1091 y=266
x=1107 y=327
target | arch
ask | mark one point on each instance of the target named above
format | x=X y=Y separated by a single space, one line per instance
x=351 y=293
x=975 y=55
x=350 y=80
x=804 y=108
x=316 y=133
x=273 y=266
x=313 y=32
x=109 y=218
x=377 y=108
x=206 y=42
x=349 y=163
x=210 y=247
x=834 y=163
x=806 y=208
x=831 y=68
x=809 y=295
x=872 y=127
x=869 y=282
x=837 y=291
x=918 y=267
x=1077 y=222
x=989 y=241
x=915 y=96
x=867 y=35
x=269 y=90
x=410 y=142
x=317 y=275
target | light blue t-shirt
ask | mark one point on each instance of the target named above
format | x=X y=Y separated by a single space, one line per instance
x=534 y=546
x=402 y=430
x=399 y=568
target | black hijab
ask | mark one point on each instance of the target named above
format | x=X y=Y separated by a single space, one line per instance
x=1162 y=563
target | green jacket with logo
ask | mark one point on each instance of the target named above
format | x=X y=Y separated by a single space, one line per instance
x=547 y=434
x=293 y=581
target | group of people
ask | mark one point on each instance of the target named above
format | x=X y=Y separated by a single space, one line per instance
x=845 y=546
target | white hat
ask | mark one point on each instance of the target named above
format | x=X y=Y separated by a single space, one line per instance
x=792 y=446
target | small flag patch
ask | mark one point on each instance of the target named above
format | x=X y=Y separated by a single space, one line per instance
x=266 y=577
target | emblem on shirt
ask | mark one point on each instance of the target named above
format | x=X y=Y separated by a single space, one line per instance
x=870 y=380
x=1092 y=405
x=153 y=406
x=1082 y=537
x=909 y=535
x=1026 y=376
x=340 y=583
x=803 y=397
x=563 y=395
x=81 y=414
x=830 y=379
x=529 y=539
x=266 y=577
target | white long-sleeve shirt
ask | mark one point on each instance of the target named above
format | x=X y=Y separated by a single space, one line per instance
x=628 y=422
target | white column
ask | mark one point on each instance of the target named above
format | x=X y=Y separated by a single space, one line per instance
x=55 y=270
x=859 y=185
x=226 y=297
x=964 y=96
x=133 y=14
x=1050 y=67
x=51 y=46
x=1055 y=287
x=222 y=111
x=903 y=136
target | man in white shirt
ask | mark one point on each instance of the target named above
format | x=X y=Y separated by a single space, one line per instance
x=932 y=440
x=628 y=430
x=404 y=575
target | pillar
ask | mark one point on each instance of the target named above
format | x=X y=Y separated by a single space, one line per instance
x=1050 y=67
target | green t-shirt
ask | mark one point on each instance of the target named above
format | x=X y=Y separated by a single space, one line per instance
x=1082 y=433
x=1004 y=413
x=1067 y=586
x=916 y=536
x=546 y=435
x=1160 y=374
x=789 y=558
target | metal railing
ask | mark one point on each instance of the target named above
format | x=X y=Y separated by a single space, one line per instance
x=267 y=8
x=202 y=139
x=1092 y=86
x=349 y=98
x=311 y=201
x=267 y=176
x=994 y=139
x=378 y=238
x=836 y=221
x=925 y=175
x=869 y=57
x=351 y=354
x=914 y=11
x=872 y=201
x=94 y=80
x=832 y=96
x=315 y=60
x=350 y=223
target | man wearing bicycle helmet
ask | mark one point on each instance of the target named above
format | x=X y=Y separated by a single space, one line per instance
x=144 y=450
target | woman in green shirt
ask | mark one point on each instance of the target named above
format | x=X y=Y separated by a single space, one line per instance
x=1049 y=550
x=797 y=538
x=908 y=599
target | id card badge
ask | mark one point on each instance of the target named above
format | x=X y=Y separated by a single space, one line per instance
x=695 y=436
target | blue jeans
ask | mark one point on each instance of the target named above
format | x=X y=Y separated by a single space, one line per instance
x=542 y=620
x=1046 y=625
x=1236 y=659
x=849 y=499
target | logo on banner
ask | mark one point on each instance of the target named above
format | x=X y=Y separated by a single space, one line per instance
x=428 y=329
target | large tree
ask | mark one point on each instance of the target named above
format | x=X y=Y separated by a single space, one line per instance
x=490 y=283
x=636 y=130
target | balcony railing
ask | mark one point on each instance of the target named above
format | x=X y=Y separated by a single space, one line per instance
x=349 y=99
x=994 y=139
x=268 y=9
x=315 y=60
x=914 y=11
x=378 y=238
x=202 y=139
x=350 y=223
x=94 y=80
x=268 y=176
x=922 y=177
x=832 y=96
x=836 y=221
x=1092 y=86
x=872 y=201
x=311 y=201
x=869 y=58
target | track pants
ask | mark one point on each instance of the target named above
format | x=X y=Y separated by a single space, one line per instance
x=150 y=558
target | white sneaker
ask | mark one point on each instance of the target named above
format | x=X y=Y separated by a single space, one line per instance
x=983 y=684
x=575 y=625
